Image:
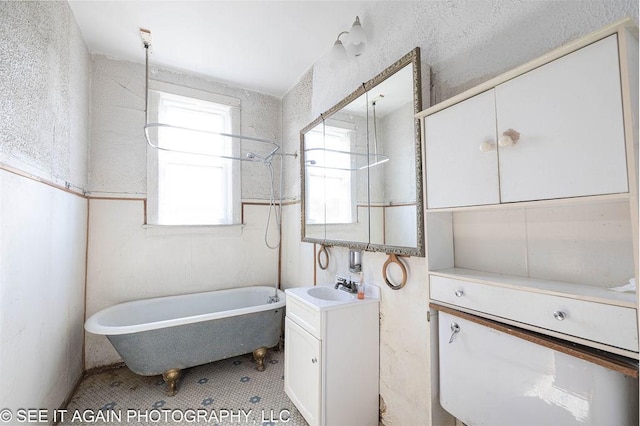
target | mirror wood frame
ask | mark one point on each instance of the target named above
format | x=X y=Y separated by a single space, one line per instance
x=412 y=58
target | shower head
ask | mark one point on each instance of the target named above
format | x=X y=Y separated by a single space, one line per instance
x=254 y=156
x=266 y=160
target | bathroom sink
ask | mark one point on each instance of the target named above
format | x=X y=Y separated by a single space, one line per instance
x=323 y=297
x=328 y=293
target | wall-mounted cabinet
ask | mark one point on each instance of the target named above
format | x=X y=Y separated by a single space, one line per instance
x=531 y=191
x=549 y=210
x=566 y=139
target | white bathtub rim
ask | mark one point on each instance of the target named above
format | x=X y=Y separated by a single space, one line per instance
x=94 y=326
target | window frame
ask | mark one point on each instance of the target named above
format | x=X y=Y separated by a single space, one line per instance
x=156 y=91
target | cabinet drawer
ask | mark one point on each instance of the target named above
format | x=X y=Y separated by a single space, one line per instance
x=305 y=316
x=607 y=324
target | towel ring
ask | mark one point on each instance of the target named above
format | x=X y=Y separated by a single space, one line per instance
x=394 y=259
x=323 y=250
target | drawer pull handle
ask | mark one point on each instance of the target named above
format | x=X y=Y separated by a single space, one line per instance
x=559 y=315
x=314 y=360
x=459 y=293
x=455 y=329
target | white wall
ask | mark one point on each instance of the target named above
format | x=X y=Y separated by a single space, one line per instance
x=43 y=237
x=464 y=43
x=44 y=104
x=128 y=261
x=297 y=259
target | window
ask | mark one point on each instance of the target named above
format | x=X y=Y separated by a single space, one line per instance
x=330 y=202
x=186 y=188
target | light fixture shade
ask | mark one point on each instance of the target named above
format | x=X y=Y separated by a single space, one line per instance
x=338 y=55
x=357 y=49
x=357 y=34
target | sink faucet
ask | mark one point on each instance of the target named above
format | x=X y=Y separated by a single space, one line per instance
x=346 y=284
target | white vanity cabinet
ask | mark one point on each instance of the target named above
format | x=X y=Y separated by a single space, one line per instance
x=568 y=115
x=331 y=364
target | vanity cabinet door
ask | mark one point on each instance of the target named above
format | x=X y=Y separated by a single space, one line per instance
x=461 y=155
x=569 y=116
x=302 y=371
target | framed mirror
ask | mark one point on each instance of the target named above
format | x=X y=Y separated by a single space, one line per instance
x=362 y=166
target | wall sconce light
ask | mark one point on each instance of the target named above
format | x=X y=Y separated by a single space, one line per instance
x=356 y=43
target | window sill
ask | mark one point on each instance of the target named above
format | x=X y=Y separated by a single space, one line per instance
x=181 y=230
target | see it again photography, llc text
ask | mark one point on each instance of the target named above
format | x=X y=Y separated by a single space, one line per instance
x=40 y=415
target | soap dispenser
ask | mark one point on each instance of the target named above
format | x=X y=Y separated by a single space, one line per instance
x=360 y=285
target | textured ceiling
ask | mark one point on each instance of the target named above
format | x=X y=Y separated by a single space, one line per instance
x=259 y=45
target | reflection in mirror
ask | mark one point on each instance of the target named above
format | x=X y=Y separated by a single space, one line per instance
x=352 y=159
x=361 y=167
x=336 y=159
x=315 y=207
x=393 y=186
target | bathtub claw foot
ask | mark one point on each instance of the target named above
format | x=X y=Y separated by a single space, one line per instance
x=171 y=379
x=259 y=355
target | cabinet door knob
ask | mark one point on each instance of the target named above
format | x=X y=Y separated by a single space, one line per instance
x=508 y=138
x=314 y=360
x=486 y=146
x=559 y=315
x=459 y=293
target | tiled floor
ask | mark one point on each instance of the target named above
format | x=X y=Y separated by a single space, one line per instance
x=223 y=393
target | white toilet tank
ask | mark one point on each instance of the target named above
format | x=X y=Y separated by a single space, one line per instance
x=488 y=377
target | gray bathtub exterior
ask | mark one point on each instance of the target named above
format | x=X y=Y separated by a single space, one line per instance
x=153 y=352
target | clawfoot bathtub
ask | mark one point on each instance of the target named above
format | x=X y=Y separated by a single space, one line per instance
x=168 y=334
